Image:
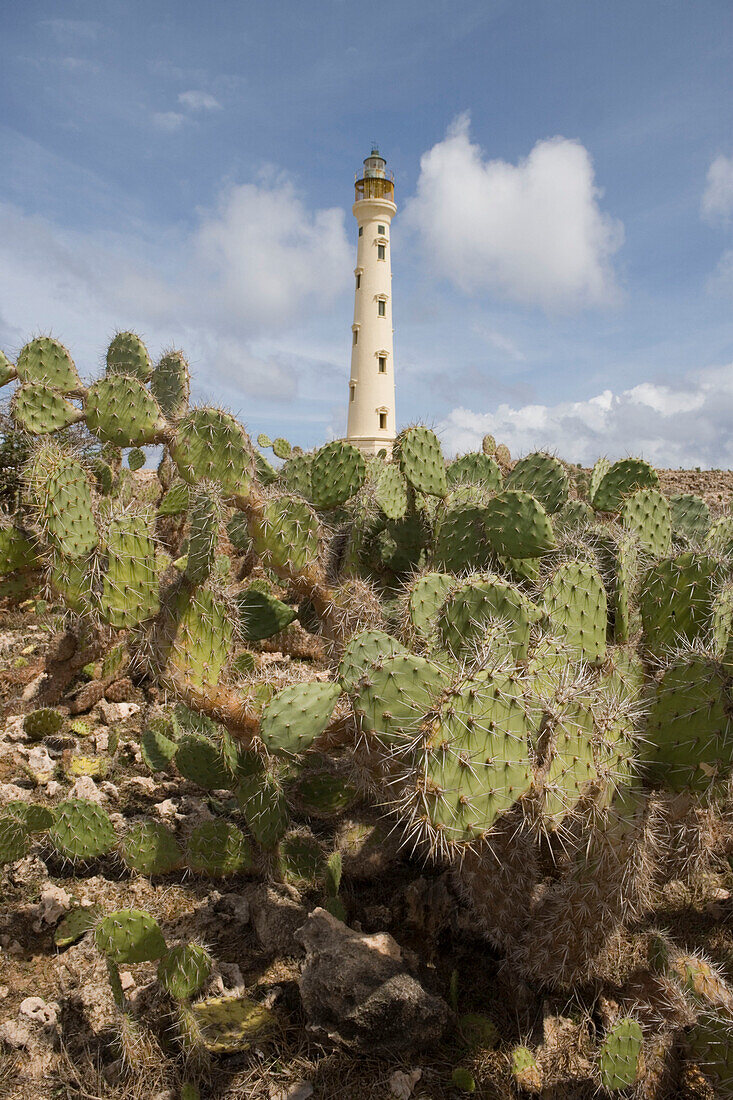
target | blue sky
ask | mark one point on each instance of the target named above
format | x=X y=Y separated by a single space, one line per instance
x=563 y=249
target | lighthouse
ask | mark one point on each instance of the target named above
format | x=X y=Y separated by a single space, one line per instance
x=371 y=418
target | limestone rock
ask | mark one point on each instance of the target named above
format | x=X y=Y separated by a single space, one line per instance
x=357 y=992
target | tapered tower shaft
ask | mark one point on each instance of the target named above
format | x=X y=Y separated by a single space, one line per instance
x=371 y=417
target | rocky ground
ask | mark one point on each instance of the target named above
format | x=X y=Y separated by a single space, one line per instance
x=347 y=1002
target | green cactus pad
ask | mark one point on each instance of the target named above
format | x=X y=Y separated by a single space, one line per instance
x=47 y=361
x=42 y=723
x=463 y=1080
x=620 y=481
x=130 y=585
x=263 y=440
x=210 y=445
x=72 y=580
x=544 y=476
x=295 y=475
x=170 y=384
x=624 y=595
x=361 y=652
x=265 y=808
x=690 y=516
x=460 y=532
x=203 y=638
x=473 y=608
x=710 y=1044
x=572 y=761
x=395 y=695
x=576 y=606
x=15 y=838
x=60 y=489
x=289 y=534
x=294 y=717
x=525 y=1070
x=16 y=551
x=130 y=936
x=722 y=626
x=184 y=969
x=337 y=473
x=647 y=515
x=261 y=616
x=229 y=1024
x=719 y=539
x=281 y=448
x=203 y=532
x=421 y=461
x=476 y=762
x=127 y=354
x=120 y=410
x=81 y=830
x=390 y=492
x=517 y=525
x=151 y=849
x=427 y=596
x=218 y=848
x=573 y=515
x=676 y=601
x=300 y=860
x=322 y=794
x=37 y=819
x=136 y=459
x=175 y=501
x=38 y=409
x=264 y=472
x=597 y=475
x=688 y=740
x=76 y=924
x=475 y=469
x=7 y=370
x=620 y=1055
x=201 y=761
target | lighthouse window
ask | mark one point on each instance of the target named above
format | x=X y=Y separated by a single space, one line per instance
x=352 y=388
x=382 y=364
x=356 y=335
x=361 y=230
x=381 y=308
x=380 y=229
x=381 y=252
x=358 y=281
x=383 y=421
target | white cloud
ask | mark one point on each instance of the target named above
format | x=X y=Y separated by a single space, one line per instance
x=532 y=232
x=501 y=342
x=230 y=291
x=168 y=120
x=717 y=199
x=199 y=101
x=682 y=425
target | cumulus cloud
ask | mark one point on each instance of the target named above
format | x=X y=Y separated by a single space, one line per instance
x=531 y=232
x=168 y=120
x=682 y=425
x=251 y=270
x=717 y=199
x=199 y=101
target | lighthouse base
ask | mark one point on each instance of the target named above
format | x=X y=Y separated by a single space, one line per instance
x=372 y=445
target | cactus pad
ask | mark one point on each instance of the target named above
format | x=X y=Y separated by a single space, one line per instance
x=119 y=410
x=151 y=849
x=337 y=473
x=37 y=408
x=294 y=717
x=288 y=536
x=690 y=516
x=362 y=651
x=517 y=525
x=475 y=469
x=218 y=848
x=676 y=601
x=201 y=761
x=620 y=481
x=47 y=361
x=572 y=762
x=184 y=969
x=42 y=723
x=127 y=354
x=427 y=596
x=647 y=515
x=688 y=741
x=620 y=1056
x=544 y=476
x=203 y=638
x=576 y=606
x=130 y=586
x=210 y=445
x=62 y=494
x=15 y=838
x=395 y=695
x=265 y=808
x=170 y=384
x=421 y=460
x=81 y=830
x=390 y=492
x=261 y=615
x=295 y=475
x=719 y=539
x=130 y=936
x=229 y=1024
x=203 y=531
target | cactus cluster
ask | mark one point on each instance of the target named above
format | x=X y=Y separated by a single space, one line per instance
x=535 y=686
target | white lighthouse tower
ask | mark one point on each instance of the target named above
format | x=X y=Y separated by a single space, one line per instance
x=371 y=420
